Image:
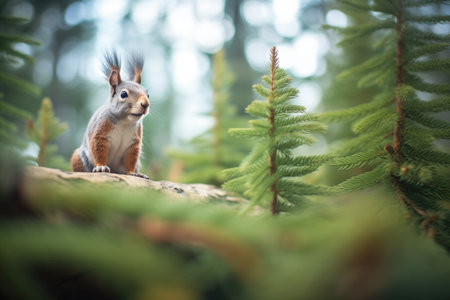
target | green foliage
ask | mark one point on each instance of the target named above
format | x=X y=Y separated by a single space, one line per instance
x=8 y=128
x=96 y=240
x=340 y=92
x=10 y=114
x=42 y=132
x=214 y=150
x=70 y=239
x=396 y=130
x=270 y=172
x=8 y=55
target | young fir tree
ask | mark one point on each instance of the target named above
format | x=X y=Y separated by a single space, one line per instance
x=214 y=150
x=396 y=129
x=43 y=131
x=270 y=172
x=10 y=114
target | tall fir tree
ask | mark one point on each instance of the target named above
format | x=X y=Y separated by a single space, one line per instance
x=396 y=129
x=214 y=150
x=270 y=173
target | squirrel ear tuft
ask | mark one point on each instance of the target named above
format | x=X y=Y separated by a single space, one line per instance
x=114 y=78
x=111 y=69
x=135 y=66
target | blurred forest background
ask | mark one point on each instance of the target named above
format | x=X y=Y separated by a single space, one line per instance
x=202 y=58
x=178 y=39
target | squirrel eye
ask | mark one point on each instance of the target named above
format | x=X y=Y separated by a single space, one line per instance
x=123 y=94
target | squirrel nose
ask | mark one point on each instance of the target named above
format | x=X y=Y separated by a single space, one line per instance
x=145 y=104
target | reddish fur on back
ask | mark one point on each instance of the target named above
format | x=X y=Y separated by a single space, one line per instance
x=98 y=143
x=131 y=159
x=77 y=164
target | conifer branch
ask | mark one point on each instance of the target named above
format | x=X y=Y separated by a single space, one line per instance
x=414 y=3
x=12 y=20
x=398 y=131
x=427 y=49
x=19 y=84
x=428 y=19
x=406 y=201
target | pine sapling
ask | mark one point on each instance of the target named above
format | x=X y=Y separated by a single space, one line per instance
x=270 y=173
x=43 y=131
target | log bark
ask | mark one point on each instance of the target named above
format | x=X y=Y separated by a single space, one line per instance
x=34 y=176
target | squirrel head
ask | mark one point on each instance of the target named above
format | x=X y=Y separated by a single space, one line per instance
x=128 y=99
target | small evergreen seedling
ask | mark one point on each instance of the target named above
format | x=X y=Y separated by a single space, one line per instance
x=43 y=131
x=214 y=150
x=270 y=172
x=396 y=130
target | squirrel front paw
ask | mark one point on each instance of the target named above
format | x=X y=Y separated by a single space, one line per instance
x=101 y=169
x=140 y=175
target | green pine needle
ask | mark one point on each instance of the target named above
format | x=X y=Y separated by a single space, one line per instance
x=365 y=180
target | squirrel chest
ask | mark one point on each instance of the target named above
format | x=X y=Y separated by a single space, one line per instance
x=121 y=137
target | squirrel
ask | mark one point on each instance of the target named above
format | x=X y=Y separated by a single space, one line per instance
x=112 y=140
